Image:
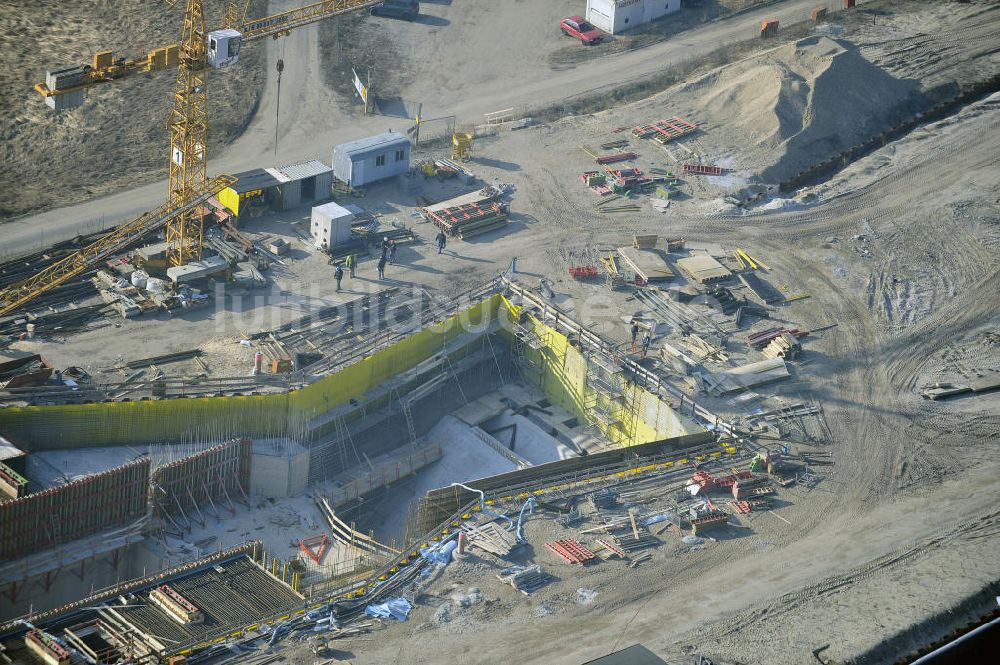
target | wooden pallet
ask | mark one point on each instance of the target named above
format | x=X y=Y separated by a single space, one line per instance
x=491 y=538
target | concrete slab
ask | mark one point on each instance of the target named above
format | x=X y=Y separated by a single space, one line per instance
x=477 y=412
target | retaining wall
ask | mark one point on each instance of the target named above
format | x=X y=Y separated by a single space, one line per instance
x=214 y=476
x=39 y=428
x=61 y=514
x=641 y=416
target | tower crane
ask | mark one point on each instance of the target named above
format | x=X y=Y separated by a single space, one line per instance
x=198 y=52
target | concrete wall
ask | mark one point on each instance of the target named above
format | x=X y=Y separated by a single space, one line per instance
x=215 y=418
x=61 y=514
x=279 y=468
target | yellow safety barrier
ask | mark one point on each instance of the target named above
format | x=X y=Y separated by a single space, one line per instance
x=125 y=423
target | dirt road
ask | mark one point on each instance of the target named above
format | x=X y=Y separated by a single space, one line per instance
x=311 y=122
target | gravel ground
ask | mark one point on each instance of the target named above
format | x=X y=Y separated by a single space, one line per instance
x=118 y=138
x=898 y=250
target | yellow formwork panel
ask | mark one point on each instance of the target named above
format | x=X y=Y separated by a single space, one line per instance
x=121 y=423
x=642 y=416
x=357 y=379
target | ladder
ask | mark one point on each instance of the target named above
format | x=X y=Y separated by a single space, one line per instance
x=454 y=375
x=408 y=414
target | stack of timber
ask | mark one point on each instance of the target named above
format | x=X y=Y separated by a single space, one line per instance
x=525 y=580
x=759 y=340
x=491 y=538
x=615 y=157
x=783 y=346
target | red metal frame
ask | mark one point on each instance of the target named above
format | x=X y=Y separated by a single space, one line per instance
x=315 y=546
x=571 y=550
x=702 y=169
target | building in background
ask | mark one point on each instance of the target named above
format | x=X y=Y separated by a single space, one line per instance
x=615 y=16
x=281 y=188
x=300 y=184
x=371 y=159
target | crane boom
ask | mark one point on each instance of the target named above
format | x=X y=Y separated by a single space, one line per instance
x=17 y=295
x=279 y=24
x=105 y=67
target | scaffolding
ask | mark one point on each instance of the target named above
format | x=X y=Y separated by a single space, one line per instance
x=526 y=339
x=332 y=453
x=604 y=394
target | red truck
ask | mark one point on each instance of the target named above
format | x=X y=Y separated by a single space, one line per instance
x=577 y=26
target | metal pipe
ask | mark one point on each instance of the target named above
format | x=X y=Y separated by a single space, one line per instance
x=930 y=657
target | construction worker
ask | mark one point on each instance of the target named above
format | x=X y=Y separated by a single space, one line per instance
x=338 y=275
x=635 y=333
x=385 y=244
x=441 y=240
x=646 y=339
x=392 y=251
x=381 y=267
x=350 y=262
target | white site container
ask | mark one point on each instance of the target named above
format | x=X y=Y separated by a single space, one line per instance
x=331 y=225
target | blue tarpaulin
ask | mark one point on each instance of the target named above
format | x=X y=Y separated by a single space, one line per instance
x=653 y=519
x=439 y=554
x=394 y=608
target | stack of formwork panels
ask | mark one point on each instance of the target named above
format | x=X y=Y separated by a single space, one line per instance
x=469 y=215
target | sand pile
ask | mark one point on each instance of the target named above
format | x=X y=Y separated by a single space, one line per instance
x=797 y=105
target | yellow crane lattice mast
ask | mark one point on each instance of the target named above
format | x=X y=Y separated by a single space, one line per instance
x=188 y=138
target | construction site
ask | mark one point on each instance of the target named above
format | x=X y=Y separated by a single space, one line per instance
x=378 y=331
